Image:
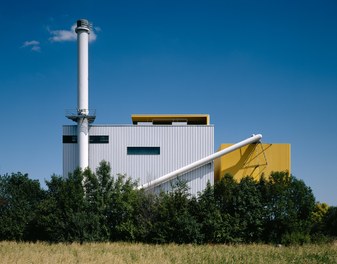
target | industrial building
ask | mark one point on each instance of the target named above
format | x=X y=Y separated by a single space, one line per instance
x=157 y=150
x=253 y=160
x=152 y=146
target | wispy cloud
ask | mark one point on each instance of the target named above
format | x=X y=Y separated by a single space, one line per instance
x=36 y=48
x=34 y=45
x=63 y=35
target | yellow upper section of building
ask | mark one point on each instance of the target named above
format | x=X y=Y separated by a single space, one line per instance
x=253 y=160
x=159 y=119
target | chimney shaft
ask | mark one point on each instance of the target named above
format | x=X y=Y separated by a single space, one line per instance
x=83 y=31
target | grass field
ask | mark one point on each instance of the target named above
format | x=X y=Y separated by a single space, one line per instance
x=11 y=252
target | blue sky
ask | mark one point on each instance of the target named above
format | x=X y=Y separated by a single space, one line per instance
x=266 y=67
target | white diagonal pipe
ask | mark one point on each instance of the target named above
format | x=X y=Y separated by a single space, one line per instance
x=198 y=163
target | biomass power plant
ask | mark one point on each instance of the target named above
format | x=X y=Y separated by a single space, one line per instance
x=158 y=149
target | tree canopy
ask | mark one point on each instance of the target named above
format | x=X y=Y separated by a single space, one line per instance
x=91 y=206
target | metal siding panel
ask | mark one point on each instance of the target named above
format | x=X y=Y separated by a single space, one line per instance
x=70 y=156
x=179 y=146
x=196 y=180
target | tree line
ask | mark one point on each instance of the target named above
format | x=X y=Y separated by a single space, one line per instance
x=97 y=206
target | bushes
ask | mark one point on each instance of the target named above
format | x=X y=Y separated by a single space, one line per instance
x=19 y=198
x=330 y=222
x=295 y=238
x=289 y=204
x=89 y=206
x=174 y=219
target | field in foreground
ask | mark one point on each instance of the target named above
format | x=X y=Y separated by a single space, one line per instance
x=11 y=252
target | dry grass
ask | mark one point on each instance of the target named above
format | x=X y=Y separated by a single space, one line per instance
x=11 y=252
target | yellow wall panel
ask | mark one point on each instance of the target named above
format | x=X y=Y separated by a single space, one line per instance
x=253 y=160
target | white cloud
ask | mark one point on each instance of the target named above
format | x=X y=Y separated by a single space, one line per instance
x=97 y=29
x=36 y=48
x=68 y=35
x=92 y=36
x=33 y=44
x=63 y=35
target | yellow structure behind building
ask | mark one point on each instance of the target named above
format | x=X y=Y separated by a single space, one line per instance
x=253 y=160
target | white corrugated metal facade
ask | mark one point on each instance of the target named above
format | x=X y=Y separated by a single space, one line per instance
x=179 y=145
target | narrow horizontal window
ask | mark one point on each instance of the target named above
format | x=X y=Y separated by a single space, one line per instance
x=143 y=150
x=92 y=139
x=98 y=139
x=69 y=139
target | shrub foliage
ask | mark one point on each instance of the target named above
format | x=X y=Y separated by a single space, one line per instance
x=97 y=206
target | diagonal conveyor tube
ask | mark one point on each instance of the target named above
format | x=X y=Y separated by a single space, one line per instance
x=198 y=163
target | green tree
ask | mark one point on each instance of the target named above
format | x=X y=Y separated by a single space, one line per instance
x=330 y=222
x=87 y=206
x=174 y=221
x=124 y=195
x=214 y=225
x=241 y=208
x=144 y=216
x=289 y=204
x=98 y=192
x=318 y=216
x=19 y=197
x=225 y=192
x=319 y=212
x=61 y=217
x=249 y=209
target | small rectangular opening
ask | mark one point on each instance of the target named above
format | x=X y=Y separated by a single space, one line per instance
x=143 y=150
x=98 y=139
x=69 y=139
x=92 y=139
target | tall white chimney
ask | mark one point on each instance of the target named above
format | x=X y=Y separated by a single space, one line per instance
x=83 y=31
x=82 y=116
